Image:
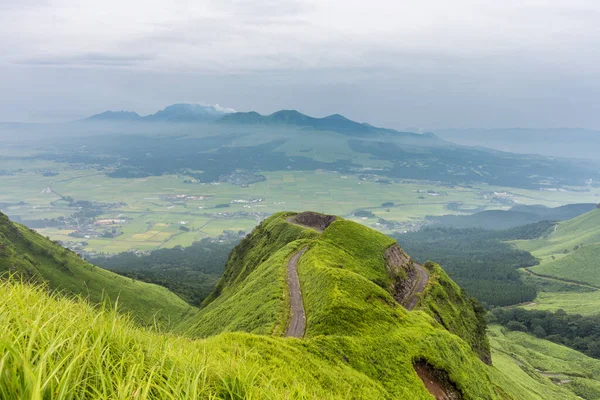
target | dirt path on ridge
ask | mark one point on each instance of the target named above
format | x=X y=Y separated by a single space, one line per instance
x=297 y=323
x=418 y=288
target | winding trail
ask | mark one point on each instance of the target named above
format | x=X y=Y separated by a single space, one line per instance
x=418 y=288
x=297 y=323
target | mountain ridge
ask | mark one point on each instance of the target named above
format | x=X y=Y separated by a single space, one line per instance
x=178 y=112
x=194 y=113
x=363 y=262
x=335 y=122
x=515 y=216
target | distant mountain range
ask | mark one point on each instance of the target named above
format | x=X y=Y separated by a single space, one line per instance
x=335 y=123
x=173 y=113
x=116 y=116
x=190 y=113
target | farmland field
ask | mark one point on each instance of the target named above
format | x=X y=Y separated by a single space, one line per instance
x=586 y=303
x=154 y=214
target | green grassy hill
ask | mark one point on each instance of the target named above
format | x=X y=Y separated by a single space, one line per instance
x=37 y=259
x=360 y=343
x=342 y=273
x=347 y=293
x=582 y=265
x=569 y=253
x=582 y=230
x=544 y=369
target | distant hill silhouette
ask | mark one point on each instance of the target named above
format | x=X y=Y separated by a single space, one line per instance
x=116 y=116
x=335 y=123
x=187 y=113
x=517 y=216
x=193 y=113
x=181 y=112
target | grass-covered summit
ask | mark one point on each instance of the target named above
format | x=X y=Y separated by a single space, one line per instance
x=352 y=279
x=34 y=258
x=361 y=341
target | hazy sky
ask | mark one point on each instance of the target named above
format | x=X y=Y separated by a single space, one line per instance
x=396 y=63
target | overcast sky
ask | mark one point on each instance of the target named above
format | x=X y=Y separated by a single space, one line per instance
x=396 y=63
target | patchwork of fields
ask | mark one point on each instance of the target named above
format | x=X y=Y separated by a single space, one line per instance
x=156 y=208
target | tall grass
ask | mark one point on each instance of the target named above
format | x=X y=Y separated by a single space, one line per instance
x=37 y=259
x=53 y=347
x=56 y=348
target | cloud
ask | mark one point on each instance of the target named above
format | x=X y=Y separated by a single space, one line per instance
x=88 y=59
x=245 y=35
x=224 y=110
x=441 y=61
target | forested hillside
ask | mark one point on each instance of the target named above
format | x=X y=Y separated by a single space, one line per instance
x=581 y=333
x=480 y=260
x=190 y=272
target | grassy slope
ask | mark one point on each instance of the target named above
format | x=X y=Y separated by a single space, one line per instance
x=582 y=230
x=252 y=294
x=580 y=237
x=338 y=275
x=444 y=300
x=360 y=343
x=532 y=364
x=38 y=259
x=113 y=358
x=350 y=314
x=580 y=265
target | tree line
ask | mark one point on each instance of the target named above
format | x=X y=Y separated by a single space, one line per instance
x=190 y=272
x=578 y=332
x=479 y=260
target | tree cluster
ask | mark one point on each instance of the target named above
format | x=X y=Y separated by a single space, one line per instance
x=191 y=272
x=479 y=260
x=578 y=332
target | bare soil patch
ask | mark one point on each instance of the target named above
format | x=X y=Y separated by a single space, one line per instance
x=313 y=220
x=437 y=382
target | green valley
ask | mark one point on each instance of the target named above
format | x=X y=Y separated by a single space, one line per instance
x=120 y=182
